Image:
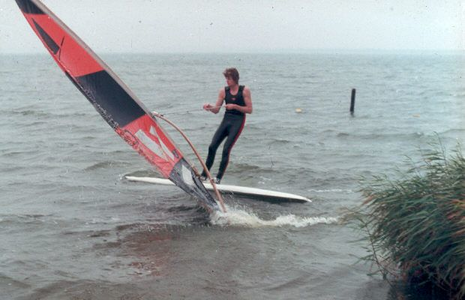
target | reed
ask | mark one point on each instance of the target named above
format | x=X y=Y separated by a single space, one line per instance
x=415 y=225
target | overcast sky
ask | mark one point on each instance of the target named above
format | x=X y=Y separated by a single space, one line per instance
x=250 y=26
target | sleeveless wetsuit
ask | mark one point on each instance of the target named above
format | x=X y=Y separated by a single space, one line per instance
x=230 y=128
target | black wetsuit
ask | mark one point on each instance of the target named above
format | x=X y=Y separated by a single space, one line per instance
x=230 y=128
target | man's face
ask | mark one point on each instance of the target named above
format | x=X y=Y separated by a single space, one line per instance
x=230 y=81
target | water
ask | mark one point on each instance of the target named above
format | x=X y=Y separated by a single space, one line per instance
x=72 y=228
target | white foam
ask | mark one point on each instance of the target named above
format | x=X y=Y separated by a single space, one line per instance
x=238 y=217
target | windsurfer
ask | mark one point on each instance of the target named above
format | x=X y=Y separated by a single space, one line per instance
x=238 y=103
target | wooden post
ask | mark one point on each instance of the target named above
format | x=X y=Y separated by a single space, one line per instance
x=352 y=102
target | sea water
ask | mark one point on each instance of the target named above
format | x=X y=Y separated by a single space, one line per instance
x=71 y=226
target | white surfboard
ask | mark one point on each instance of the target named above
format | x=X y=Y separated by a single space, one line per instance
x=232 y=189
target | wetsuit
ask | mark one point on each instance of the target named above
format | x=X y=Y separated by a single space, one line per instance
x=230 y=128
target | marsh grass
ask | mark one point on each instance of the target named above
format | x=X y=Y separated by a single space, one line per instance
x=415 y=225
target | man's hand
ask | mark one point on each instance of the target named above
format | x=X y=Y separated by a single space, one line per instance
x=230 y=106
x=207 y=107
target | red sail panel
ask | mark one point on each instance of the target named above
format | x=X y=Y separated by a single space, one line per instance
x=69 y=55
x=150 y=141
x=113 y=100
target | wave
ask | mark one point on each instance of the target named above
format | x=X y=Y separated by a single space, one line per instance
x=372 y=135
x=453 y=131
x=99 y=165
x=105 y=165
x=275 y=141
x=142 y=173
x=249 y=170
x=30 y=112
x=331 y=190
x=383 y=136
x=23 y=219
x=238 y=217
x=39 y=113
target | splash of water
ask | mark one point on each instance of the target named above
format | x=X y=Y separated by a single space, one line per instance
x=238 y=217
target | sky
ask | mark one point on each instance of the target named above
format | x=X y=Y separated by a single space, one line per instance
x=206 y=26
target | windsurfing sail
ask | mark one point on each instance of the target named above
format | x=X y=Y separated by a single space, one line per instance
x=115 y=102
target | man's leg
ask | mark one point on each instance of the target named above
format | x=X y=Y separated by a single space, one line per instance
x=218 y=138
x=235 y=132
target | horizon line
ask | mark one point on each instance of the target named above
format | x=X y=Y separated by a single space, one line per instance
x=262 y=51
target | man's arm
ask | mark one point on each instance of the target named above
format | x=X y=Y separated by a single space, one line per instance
x=247 y=109
x=219 y=102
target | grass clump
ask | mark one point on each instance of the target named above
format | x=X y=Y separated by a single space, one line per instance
x=416 y=225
